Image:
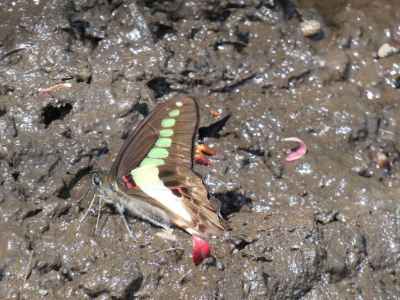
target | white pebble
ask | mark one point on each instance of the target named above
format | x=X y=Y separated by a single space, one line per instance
x=310 y=27
x=386 y=50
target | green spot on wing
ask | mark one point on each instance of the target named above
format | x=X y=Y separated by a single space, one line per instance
x=152 y=162
x=158 y=153
x=164 y=142
x=174 y=113
x=166 y=132
x=168 y=123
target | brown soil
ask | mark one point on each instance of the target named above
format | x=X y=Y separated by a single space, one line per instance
x=326 y=226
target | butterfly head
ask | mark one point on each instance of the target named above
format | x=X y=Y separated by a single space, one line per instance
x=97 y=180
x=101 y=185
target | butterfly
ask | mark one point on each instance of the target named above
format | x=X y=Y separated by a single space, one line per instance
x=152 y=177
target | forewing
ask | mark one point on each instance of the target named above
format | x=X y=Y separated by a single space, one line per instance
x=146 y=134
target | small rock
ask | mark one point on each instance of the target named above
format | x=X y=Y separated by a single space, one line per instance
x=56 y=209
x=386 y=50
x=220 y=265
x=43 y=292
x=326 y=217
x=209 y=262
x=310 y=27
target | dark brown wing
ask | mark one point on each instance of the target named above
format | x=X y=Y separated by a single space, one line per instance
x=205 y=221
x=181 y=150
x=177 y=174
x=142 y=139
x=176 y=170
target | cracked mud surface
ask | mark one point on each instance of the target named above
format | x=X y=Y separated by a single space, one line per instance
x=323 y=227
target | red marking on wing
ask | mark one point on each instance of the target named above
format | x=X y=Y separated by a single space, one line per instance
x=177 y=191
x=128 y=181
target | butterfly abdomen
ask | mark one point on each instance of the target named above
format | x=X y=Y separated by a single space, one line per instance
x=146 y=211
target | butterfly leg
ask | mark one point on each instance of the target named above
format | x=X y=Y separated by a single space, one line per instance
x=88 y=209
x=121 y=210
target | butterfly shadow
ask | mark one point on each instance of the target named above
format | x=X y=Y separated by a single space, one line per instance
x=79 y=180
x=213 y=129
x=230 y=202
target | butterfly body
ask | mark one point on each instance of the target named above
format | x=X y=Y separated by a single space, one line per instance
x=109 y=192
x=152 y=176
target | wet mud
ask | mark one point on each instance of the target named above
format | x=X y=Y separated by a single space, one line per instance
x=75 y=78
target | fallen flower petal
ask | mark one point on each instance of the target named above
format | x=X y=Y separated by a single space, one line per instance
x=201 y=160
x=200 y=251
x=299 y=151
x=54 y=88
x=215 y=114
x=204 y=149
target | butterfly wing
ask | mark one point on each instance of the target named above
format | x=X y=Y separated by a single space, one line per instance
x=145 y=135
x=158 y=155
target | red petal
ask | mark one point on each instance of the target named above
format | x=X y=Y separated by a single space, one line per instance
x=200 y=251
x=204 y=149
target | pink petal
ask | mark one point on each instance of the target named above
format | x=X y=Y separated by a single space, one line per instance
x=53 y=88
x=299 y=151
x=200 y=251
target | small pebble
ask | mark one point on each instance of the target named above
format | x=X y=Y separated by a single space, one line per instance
x=220 y=266
x=310 y=27
x=326 y=217
x=210 y=261
x=341 y=217
x=43 y=292
x=386 y=50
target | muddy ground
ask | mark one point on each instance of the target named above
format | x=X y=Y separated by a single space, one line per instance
x=323 y=227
